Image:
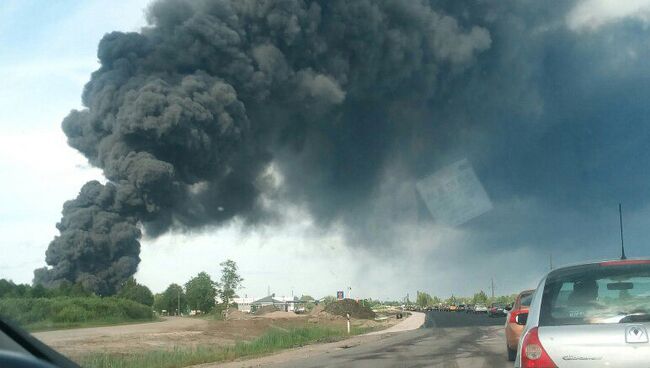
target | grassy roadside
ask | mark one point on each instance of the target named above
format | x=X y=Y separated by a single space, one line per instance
x=272 y=341
x=38 y=314
x=52 y=326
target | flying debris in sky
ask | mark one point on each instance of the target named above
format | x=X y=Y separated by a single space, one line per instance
x=453 y=194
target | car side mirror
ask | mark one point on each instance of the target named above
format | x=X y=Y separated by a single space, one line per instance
x=521 y=318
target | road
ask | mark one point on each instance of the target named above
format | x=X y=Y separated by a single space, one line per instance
x=447 y=340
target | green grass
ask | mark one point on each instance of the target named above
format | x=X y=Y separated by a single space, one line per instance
x=51 y=326
x=272 y=341
x=65 y=312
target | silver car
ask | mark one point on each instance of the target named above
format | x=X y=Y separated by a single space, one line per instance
x=589 y=315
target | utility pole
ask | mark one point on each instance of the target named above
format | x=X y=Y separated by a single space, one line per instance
x=492 y=287
x=179 y=303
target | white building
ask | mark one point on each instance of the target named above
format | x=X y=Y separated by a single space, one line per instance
x=243 y=304
x=283 y=303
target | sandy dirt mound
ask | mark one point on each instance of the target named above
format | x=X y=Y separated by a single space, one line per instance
x=280 y=314
x=354 y=308
x=319 y=313
x=236 y=315
x=317 y=309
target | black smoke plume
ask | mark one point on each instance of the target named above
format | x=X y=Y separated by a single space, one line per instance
x=185 y=117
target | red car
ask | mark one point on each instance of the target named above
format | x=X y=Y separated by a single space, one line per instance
x=514 y=329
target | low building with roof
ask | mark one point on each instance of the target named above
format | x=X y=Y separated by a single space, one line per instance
x=287 y=304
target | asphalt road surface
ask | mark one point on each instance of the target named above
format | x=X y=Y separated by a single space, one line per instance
x=447 y=340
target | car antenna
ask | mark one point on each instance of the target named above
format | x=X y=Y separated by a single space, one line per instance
x=620 y=219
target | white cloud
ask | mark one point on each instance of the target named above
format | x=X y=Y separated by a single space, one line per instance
x=592 y=14
x=43 y=70
x=39 y=172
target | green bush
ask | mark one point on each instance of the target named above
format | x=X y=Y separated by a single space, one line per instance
x=65 y=311
x=71 y=314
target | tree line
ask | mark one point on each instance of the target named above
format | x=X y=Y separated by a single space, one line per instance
x=199 y=293
x=130 y=290
x=424 y=300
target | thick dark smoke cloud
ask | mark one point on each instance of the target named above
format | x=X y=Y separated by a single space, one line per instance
x=93 y=230
x=185 y=117
x=351 y=103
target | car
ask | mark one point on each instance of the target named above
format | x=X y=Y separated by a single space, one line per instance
x=461 y=308
x=497 y=310
x=469 y=308
x=452 y=308
x=480 y=308
x=514 y=329
x=589 y=315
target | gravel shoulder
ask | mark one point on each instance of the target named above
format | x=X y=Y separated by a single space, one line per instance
x=414 y=321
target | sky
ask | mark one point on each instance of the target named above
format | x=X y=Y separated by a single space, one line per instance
x=49 y=49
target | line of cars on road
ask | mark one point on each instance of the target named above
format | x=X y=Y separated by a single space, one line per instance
x=593 y=314
x=493 y=310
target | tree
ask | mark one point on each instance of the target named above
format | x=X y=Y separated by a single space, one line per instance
x=66 y=288
x=169 y=300
x=451 y=300
x=480 y=298
x=329 y=300
x=423 y=299
x=131 y=290
x=201 y=292
x=230 y=281
x=306 y=298
x=6 y=288
x=39 y=291
x=22 y=290
x=505 y=299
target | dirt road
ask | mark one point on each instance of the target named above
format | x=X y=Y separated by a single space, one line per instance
x=411 y=323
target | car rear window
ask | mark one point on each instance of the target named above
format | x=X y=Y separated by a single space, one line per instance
x=525 y=299
x=597 y=294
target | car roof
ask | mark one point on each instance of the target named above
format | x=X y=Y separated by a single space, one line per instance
x=591 y=264
x=526 y=292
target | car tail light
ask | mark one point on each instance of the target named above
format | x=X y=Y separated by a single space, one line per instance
x=533 y=354
x=515 y=313
x=513 y=316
